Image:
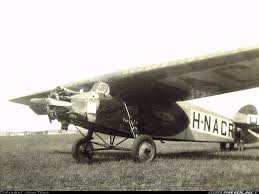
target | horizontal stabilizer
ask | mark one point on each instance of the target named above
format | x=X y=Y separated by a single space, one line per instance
x=246 y=115
x=253 y=133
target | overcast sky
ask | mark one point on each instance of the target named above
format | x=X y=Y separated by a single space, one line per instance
x=47 y=43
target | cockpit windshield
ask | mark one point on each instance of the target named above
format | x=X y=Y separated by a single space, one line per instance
x=101 y=87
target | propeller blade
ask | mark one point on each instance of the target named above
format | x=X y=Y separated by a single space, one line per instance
x=39 y=105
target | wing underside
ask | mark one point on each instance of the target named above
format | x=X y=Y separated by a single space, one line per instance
x=178 y=80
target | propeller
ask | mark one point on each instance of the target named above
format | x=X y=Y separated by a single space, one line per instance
x=41 y=107
x=45 y=106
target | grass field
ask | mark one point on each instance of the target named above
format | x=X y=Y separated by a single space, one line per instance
x=45 y=163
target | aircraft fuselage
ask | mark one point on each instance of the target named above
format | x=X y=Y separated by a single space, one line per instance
x=205 y=126
x=169 y=121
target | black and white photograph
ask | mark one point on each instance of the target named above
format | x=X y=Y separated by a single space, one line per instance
x=129 y=95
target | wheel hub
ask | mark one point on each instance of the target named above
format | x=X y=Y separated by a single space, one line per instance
x=86 y=150
x=145 y=151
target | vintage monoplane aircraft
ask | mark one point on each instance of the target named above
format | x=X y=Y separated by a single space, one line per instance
x=148 y=103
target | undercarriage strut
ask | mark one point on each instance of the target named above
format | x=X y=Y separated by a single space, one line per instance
x=133 y=127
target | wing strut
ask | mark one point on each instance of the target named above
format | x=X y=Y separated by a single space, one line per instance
x=133 y=127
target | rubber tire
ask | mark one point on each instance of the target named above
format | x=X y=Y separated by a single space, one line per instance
x=223 y=146
x=75 y=148
x=136 y=146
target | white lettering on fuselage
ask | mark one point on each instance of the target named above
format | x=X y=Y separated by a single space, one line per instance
x=208 y=123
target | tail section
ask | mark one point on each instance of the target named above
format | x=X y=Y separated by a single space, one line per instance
x=247 y=119
x=241 y=117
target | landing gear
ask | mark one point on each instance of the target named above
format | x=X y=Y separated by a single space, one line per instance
x=83 y=150
x=143 y=149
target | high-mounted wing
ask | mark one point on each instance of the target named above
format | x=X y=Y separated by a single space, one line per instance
x=178 y=80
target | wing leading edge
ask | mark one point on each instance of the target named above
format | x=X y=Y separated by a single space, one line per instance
x=177 y=80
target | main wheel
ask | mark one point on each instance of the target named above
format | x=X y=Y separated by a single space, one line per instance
x=82 y=149
x=143 y=149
